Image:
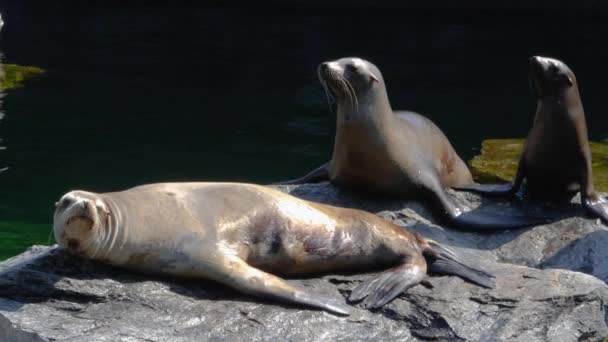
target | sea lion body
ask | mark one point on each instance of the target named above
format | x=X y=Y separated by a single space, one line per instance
x=556 y=161
x=236 y=234
x=368 y=157
x=390 y=152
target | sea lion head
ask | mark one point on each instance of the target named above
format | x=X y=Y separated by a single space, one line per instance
x=356 y=83
x=549 y=76
x=80 y=222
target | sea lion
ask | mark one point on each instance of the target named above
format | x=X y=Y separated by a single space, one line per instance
x=395 y=153
x=237 y=234
x=556 y=161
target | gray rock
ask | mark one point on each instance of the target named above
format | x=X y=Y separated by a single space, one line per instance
x=48 y=295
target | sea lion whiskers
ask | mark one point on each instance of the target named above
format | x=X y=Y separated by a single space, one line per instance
x=351 y=89
x=328 y=96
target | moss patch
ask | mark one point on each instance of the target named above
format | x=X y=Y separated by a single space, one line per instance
x=499 y=158
x=13 y=76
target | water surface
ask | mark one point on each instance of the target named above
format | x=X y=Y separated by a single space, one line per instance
x=144 y=93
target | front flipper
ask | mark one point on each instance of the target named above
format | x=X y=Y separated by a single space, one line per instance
x=502 y=190
x=598 y=206
x=474 y=220
x=389 y=284
x=258 y=283
x=590 y=200
x=315 y=176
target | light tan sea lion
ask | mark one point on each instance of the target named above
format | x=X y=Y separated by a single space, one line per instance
x=391 y=152
x=556 y=162
x=238 y=234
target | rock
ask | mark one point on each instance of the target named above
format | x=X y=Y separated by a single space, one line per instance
x=46 y=294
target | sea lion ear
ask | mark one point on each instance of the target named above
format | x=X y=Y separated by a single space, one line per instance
x=374 y=78
x=569 y=81
x=102 y=207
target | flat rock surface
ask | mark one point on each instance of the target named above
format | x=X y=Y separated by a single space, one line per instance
x=550 y=287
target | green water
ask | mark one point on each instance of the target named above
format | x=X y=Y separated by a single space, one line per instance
x=138 y=92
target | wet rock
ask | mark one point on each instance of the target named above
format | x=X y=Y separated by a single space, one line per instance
x=542 y=293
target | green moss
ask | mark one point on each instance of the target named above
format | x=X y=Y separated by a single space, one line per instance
x=499 y=158
x=13 y=76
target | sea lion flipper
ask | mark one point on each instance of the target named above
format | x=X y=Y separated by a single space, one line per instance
x=317 y=175
x=389 y=284
x=474 y=220
x=505 y=189
x=468 y=220
x=445 y=261
x=259 y=283
x=454 y=267
x=598 y=206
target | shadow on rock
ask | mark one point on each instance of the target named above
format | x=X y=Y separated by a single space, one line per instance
x=587 y=254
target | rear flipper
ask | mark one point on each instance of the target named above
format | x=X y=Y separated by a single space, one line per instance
x=258 y=283
x=498 y=190
x=317 y=175
x=389 y=284
x=446 y=262
x=598 y=206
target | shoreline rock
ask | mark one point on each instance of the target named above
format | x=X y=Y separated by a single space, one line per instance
x=46 y=294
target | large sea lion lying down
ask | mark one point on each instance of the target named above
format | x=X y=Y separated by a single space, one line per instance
x=395 y=153
x=238 y=234
x=556 y=161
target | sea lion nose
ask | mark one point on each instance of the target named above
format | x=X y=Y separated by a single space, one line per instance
x=324 y=66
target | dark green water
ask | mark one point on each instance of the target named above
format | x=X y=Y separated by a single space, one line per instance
x=144 y=93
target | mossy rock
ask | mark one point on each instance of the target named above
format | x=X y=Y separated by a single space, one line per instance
x=13 y=76
x=498 y=161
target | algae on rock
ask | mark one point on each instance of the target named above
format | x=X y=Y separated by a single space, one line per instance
x=14 y=75
x=499 y=158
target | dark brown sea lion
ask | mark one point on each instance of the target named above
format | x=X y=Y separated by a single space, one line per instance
x=397 y=153
x=238 y=234
x=556 y=162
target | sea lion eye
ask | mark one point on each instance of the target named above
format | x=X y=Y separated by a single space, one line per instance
x=351 y=67
x=553 y=68
x=64 y=203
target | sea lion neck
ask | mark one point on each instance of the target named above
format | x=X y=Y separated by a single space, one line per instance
x=563 y=104
x=372 y=107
